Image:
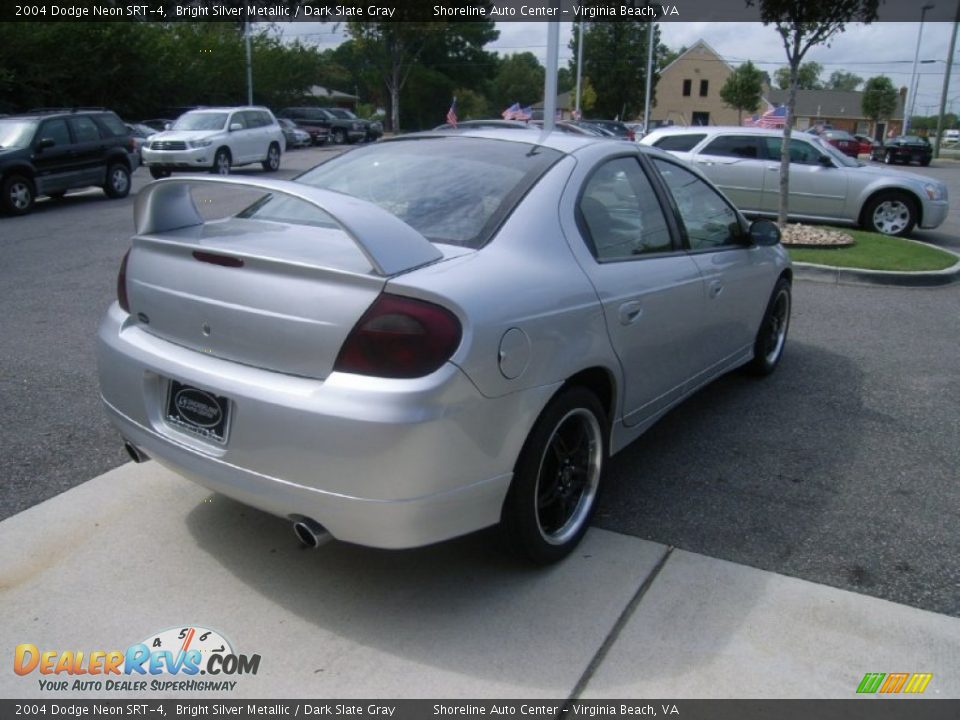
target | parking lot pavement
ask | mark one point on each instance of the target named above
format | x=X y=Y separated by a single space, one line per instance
x=138 y=550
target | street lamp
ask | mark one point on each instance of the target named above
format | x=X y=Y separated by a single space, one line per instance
x=908 y=111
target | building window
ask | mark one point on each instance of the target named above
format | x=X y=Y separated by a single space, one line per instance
x=704 y=85
x=700 y=118
x=687 y=85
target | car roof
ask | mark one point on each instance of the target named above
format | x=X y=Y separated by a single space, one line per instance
x=560 y=141
x=674 y=130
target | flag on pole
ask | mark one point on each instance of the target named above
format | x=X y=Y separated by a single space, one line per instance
x=452 y=113
x=773 y=118
x=523 y=114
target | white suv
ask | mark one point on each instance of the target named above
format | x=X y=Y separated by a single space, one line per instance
x=216 y=139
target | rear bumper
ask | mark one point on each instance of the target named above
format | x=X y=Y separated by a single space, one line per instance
x=384 y=463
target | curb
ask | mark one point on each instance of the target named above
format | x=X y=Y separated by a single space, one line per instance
x=854 y=276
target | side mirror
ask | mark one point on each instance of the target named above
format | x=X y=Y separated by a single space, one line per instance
x=167 y=126
x=826 y=161
x=764 y=233
x=235 y=126
x=45 y=143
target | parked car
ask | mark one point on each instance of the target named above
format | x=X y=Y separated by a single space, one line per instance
x=842 y=141
x=373 y=129
x=51 y=152
x=158 y=124
x=338 y=130
x=435 y=333
x=951 y=135
x=825 y=184
x=216 y=139
x=294 y=135
x=903 y=149
x=140 y=134
x=488 y=124
x=615 y=127
x=866 y=144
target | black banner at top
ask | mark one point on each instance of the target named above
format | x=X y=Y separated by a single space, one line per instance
x=429 y=11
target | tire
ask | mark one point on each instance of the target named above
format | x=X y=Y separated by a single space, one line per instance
x=272 y=163
x=18 y=195
x=557 y=477
x=221 y=162
x=772 y=334
x=888 y=158
x=159 y=173
x=924 y=163
x=890 y=213
x=118 y=181
x=338 y=136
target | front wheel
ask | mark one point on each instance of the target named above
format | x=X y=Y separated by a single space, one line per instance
x=557 y=478
x=18 y=195
x=772 y=335
x=272 y=162
x=118 y=181
x=890 y=213
x=339 y=136
x=159 y=173
x=221 y=162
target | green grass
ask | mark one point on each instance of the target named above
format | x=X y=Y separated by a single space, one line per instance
x=876 y=252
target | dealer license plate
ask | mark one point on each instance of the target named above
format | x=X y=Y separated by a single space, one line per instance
x=198 y=412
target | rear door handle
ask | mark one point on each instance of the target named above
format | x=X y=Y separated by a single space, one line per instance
x=716 y=287
x=630 y=312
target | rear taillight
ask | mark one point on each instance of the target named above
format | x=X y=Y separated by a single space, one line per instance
x=399 y=337
x=122 y=284
x=631 y=135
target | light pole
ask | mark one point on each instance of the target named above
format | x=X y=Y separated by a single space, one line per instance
x=946 y=83
x=908 y=110
x=579 y=66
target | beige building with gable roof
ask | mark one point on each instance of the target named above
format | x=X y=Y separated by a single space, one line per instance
x=688 y=91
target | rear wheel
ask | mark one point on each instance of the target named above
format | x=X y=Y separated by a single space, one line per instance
x=339 y=136
x=888 y=157
x=221 y=162
x=272 y=163
x=118 y=181
x=18 y=195
x=890 y=213
x=772 y=335
x=159 y=173
x=557 y=478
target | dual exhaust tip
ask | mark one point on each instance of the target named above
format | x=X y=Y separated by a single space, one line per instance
x=309 y=532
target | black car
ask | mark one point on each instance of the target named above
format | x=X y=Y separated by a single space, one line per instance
x=51 y=151
x=903 y=149
x=373 y=128
x=615 y=127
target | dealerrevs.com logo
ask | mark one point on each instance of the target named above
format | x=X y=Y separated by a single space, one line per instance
x=171 y=660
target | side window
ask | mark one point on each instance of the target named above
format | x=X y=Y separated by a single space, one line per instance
x=708 y=218
x=619 y=213
x=112 y=126
x=740 y=146
x=239 y=117
x=55 y=129
x=801 y=153
x=266 y=120
x=680 y=143
x=85 y=129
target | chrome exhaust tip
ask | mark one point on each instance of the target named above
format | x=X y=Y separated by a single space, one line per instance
x=135 y=453
x=311 y=533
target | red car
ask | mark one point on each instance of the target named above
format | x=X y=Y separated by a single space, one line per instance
x=866 y=143
x=843 y=141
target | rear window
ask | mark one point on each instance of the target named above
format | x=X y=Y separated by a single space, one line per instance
x=739 y=146
x=680 y=143
x=113 y=124
x=452 y=190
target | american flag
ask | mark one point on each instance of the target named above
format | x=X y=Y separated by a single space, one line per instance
x=511 y=112
x=523 y=113
x=775 y=117
x=452 y=113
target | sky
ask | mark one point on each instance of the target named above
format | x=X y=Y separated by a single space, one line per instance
x=885 y=48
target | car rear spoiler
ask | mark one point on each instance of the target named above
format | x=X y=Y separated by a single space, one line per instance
x=389 y=244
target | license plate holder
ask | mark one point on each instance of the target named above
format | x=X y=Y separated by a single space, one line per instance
x=197 y=412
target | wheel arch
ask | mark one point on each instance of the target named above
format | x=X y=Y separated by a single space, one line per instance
x=602 y=383
x=24 y=169
x=918 y=203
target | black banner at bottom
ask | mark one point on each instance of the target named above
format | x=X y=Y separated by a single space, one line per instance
x=858 y=709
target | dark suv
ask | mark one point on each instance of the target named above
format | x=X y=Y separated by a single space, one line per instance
x=51 y=151
x=340 y=130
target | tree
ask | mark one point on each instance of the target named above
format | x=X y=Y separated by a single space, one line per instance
x=879 y=98
x=743 y=89
x=802 y=24
x=615 y=59
x=840 y=80
x=808 y=77
x=519 y=79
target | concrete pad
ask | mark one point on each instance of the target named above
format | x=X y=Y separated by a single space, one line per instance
x=712 y=629
x=116 y=560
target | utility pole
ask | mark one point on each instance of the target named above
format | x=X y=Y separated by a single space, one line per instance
x=550 y=81
x=246 y=39
x=579 y=67
x=646 y=102
x=946 y=83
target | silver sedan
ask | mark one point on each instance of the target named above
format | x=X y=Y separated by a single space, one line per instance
x=434 y=334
